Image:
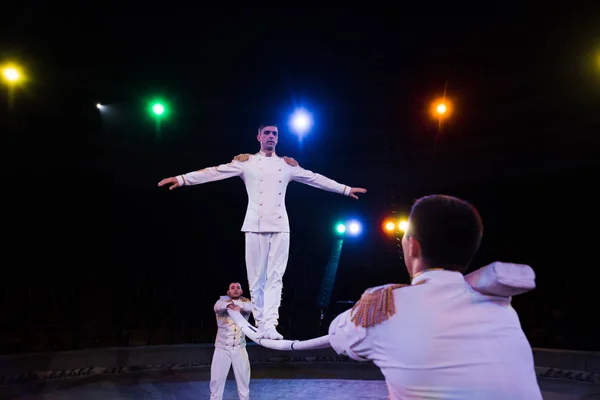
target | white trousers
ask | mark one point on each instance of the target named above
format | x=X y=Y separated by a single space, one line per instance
x=266 y=261
x=223 y=359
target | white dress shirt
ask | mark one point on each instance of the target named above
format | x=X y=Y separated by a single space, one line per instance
x=445 y=341
x=266 y=180
x=229 y=335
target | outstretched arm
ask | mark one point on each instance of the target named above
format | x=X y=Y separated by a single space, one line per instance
x=348 y=339
x=319 y=181
x=205 y=175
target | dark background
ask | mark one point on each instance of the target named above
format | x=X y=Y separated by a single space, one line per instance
x=94 y=254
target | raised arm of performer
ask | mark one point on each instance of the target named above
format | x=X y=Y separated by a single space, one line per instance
x=246 y=310
x=223 y=304
x=210 y=174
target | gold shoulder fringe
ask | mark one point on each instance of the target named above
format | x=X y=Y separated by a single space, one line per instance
x=245 y=299
x=375 y=306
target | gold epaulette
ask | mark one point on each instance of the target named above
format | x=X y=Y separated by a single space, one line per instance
x=245 y=299
x=375 y=306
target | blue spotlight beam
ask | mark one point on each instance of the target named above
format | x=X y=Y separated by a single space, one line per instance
x=330 y=273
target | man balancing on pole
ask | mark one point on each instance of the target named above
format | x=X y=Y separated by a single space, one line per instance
x=266 y=226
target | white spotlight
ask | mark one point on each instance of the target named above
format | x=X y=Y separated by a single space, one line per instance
x=354 y=228
x=301 y=121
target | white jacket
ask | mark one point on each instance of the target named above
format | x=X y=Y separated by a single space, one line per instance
x=266 y=180
x=445 y=341
x=229 y=335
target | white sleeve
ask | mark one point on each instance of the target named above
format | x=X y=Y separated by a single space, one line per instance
x=211 y=174
x=220 y=307
x=310 y=178
x=348 y=339
x=247 y=309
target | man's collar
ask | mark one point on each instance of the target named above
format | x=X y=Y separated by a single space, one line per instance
x=262 y=153
x=435 y=273
x=228 y=298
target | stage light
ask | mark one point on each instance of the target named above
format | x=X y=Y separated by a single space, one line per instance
x=11 y=74
x=340 y=228
x=441 y=108
x=301 y=122
x=354 y=228
x=13 y=77
x=403 y=225
x=158 y=109
x=389 y=226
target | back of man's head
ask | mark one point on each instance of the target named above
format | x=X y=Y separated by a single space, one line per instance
x=449 y=231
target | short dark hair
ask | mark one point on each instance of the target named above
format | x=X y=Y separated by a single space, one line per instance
x=261 y=126
x=448 y=229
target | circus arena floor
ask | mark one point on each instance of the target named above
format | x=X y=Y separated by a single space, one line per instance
x=285 y=381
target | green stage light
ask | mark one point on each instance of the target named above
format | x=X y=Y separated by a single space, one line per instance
x=158 y=109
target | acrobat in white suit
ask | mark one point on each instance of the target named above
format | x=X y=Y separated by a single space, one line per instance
x=266 y=225
x=230 y=346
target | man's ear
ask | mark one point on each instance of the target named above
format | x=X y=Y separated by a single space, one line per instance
x=414 y=247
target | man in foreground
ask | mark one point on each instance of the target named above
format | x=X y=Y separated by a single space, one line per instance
x=266 y=225
x=230 y=345
x=437 y=338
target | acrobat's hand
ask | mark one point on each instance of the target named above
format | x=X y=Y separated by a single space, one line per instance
x=242 y=157
x=234 y=307
x=353 y=192
x=172 y=181
x=290 y=161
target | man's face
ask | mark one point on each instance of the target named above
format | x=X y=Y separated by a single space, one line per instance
x=268 y=138
x=235 y=291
